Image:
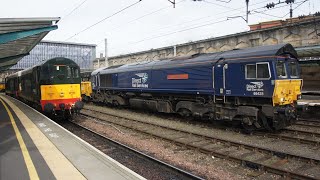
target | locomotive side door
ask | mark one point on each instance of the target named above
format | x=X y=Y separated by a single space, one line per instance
x=220 y=81
x=96 y=85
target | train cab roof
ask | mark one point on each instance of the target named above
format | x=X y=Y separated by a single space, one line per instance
x=55 y=60
x=61 y=60
x=227 y=56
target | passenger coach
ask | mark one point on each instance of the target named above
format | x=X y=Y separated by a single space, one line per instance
x=258 y=87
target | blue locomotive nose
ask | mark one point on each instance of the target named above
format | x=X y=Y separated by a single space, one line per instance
x=48 y=108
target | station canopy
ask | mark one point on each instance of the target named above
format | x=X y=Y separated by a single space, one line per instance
x=308 y=51
x=18 y=36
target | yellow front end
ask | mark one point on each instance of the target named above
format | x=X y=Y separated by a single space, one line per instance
x=60 y=91
x=2 y=87
x=86 y=88
x=286 y=91
x=60 y=97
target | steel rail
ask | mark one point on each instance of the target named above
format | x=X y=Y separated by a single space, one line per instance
x=242 y=161
x=297 y=131
x=162 y=163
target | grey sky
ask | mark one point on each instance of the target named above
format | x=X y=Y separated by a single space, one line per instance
x=189 y=21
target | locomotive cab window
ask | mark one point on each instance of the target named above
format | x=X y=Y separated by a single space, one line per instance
x=250 y=71
x=258 y=71
x=281 y=69
x=263 y=71
x=293 y=67
x=67 y=71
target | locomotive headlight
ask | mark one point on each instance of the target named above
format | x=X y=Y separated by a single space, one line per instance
x=282 y=99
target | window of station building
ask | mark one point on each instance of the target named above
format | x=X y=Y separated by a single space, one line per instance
x=250 y=71
x=293 y=69
x=281 y=69
x=263 y=71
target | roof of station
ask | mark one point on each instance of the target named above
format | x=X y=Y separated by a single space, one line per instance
x=18 y=36
x=308 y=51
x=68 y=43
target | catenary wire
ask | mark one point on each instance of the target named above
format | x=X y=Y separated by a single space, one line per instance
x=87 y=28
x=203 y=25
x=232 y=9
x=73 y=10
x=296 y=7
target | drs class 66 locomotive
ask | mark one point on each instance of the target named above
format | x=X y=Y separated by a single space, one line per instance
x=53 y=86
x=258 y=87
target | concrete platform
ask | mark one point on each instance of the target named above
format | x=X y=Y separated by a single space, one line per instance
x=34 y=147
x=309 y=100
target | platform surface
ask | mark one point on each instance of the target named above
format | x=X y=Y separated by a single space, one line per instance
x=309 y=100
x=31 y=145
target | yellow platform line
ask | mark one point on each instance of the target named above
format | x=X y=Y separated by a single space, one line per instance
x=30 y=166
x=59 y=165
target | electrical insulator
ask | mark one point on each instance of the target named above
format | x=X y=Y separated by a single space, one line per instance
x=270 y=5
x=289 y=1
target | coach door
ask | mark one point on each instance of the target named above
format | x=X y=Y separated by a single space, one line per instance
x=220 y=81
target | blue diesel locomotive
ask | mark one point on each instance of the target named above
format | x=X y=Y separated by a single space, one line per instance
x=258 y=87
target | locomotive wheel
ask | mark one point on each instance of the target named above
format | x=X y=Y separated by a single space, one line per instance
x=267 y=124
x=115 y=103
x=248 y=128
x=184 y=112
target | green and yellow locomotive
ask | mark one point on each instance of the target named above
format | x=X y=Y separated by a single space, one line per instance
x=53 y=86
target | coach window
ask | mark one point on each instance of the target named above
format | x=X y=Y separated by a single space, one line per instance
x=293 y=69
x=281 y=69
x=250 y=71
x=263 y=71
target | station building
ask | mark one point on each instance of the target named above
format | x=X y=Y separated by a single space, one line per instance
x=82 y=54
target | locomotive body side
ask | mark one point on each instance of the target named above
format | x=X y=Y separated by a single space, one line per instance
x=258 y=87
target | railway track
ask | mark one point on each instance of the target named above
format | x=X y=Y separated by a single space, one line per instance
x=105 y=144
x=308 y=123
x=294 y=135
x=304 y=131
x=249 y=155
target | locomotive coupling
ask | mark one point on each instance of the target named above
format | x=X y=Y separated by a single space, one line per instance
x=62 y=106
x=79 y=105
x=288 y=111
x=48 y=108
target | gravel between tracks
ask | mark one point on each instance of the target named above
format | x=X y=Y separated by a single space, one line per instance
x=208 y=167
x=197 y=163
x=271 y=143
